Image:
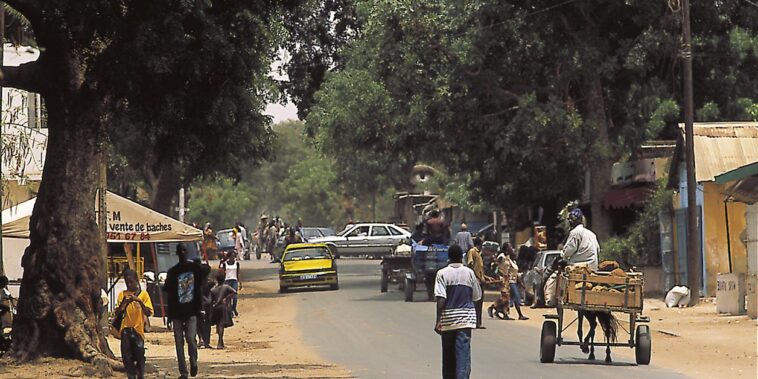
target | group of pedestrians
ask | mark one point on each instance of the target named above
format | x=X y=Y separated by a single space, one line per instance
x=269 y=232
x=195 y=302
x=458 y=291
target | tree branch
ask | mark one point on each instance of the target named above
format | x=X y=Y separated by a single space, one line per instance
x=27 y=76
x=24 y=6
x=31 y=9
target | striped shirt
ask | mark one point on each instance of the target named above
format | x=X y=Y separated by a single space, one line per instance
x=460 y=288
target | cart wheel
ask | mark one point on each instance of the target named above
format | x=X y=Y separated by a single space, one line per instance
x=409 y=288
x=547 y=342
x=642 y=350
x=385 y=282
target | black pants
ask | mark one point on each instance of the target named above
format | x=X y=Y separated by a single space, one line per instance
x=133 y=353
x=478 y=306
x=204 y=327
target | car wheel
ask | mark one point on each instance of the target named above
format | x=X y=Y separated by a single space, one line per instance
x=283 y=289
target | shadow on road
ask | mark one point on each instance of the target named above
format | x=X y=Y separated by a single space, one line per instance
x=239 y=369
x=597 y=362
x=264 y=295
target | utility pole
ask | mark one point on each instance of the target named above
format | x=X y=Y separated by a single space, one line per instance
x=693 y=234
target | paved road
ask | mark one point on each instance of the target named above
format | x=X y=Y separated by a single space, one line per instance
x=378 y=335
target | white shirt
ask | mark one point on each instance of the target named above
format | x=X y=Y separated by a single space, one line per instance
x=460 y=288
x=231 y=270
x=581 y=247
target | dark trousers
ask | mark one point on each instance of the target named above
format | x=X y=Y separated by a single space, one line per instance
x=133 y=353
x=185 y=331
x=204 y=326
x=456 y=354
x=478 y=306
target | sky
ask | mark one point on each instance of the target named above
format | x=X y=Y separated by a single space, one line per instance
x=282 y=112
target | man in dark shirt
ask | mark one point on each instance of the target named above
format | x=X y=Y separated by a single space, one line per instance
x=184 y=288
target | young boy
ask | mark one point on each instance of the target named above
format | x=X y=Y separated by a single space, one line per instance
x=221 y=295
x=135 y=305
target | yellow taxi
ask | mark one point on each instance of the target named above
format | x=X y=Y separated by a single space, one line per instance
x=307 y=264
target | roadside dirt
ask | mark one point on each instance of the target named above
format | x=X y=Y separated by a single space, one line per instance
x=263 y=343
x=694 y=341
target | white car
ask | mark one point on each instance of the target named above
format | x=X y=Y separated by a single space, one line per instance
x=534 y=279
x=369 y=239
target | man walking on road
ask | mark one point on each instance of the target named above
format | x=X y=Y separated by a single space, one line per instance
x=184 y=284
x=463 y=238
x=456 y=289
x=475 y=262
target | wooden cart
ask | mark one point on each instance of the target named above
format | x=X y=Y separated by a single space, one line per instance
x=576 y=293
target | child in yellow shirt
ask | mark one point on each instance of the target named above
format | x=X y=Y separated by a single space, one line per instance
x=135 y=305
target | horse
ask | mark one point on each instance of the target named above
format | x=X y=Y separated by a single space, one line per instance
x=608 y=323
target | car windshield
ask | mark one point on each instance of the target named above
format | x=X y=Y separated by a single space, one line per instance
x=225 y=238
x=550 y=259
x=345 y=231
x=310 y=232
x=327 y=231
x=306 y=253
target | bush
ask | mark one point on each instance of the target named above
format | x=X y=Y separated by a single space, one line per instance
x=640 y=246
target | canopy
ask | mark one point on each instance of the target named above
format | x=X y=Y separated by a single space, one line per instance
x=127 y=222
x=743 y=183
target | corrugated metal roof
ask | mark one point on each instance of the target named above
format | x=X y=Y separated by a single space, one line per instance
x=723 y=146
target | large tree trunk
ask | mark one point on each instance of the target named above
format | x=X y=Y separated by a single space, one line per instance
x=164 y=188
x=60 y=309
x=602 y=161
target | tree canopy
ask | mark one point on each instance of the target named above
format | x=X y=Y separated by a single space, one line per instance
x=527 y=97
x=183 y=82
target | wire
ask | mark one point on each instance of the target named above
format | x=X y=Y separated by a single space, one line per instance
x=551 y=7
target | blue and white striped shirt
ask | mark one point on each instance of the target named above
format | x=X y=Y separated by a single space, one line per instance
x=459 y=286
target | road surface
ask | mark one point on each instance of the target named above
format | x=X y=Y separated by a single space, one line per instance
x=377 y=335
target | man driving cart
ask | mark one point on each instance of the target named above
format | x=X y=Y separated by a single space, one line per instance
x=581 y=248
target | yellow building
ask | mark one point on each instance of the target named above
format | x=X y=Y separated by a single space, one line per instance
x=719 y=147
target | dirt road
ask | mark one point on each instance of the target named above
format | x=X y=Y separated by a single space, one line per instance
x=297 y=336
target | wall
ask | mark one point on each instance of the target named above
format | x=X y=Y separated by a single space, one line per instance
x=715 y=244
x=751 y=239
x=15 y=193
x=653 y=281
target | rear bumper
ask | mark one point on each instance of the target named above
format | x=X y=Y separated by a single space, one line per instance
x=308 y=279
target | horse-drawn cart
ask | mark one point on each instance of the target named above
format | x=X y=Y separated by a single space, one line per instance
x=595 y=295
x=425 y=262
x=394 y=268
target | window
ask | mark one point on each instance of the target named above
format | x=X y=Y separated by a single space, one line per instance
x=307 y=253
x=379 y=231
x=394 y=231
x=360 y=231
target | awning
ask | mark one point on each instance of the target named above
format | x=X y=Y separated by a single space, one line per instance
x=744 y=183
x=127 y=222
x=626 y=197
